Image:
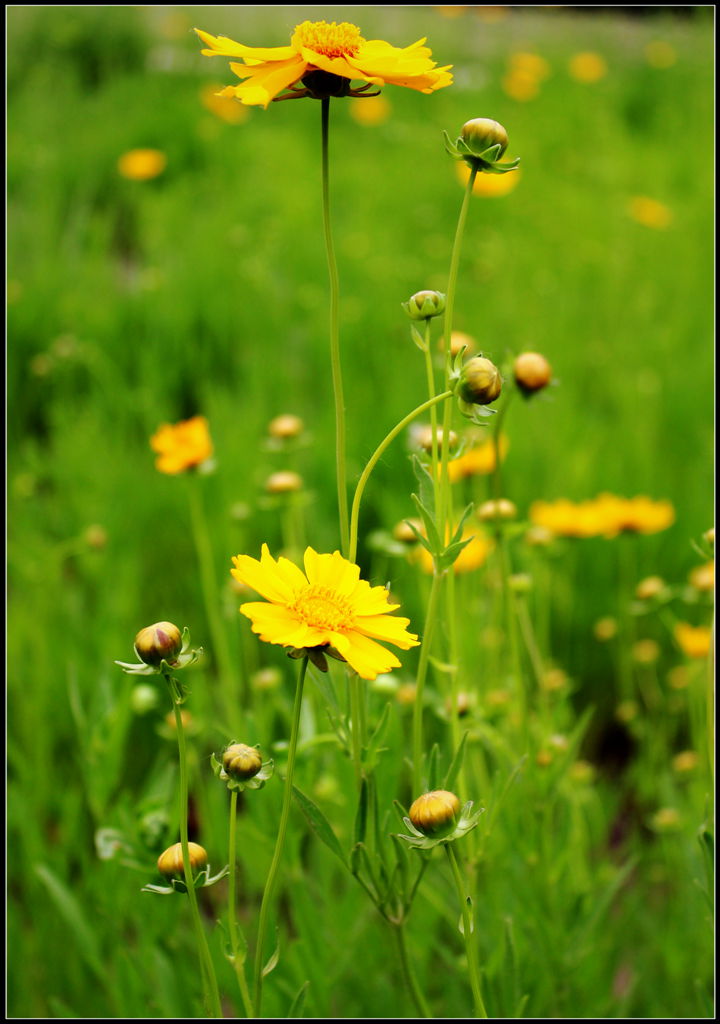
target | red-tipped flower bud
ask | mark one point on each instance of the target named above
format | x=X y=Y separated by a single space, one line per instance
x=163 y=640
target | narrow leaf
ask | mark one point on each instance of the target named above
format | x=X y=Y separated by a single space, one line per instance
x=298 y=1003
x=454 y=769
x=319 y=824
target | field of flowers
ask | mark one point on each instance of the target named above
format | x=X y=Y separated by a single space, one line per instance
x=360 y=495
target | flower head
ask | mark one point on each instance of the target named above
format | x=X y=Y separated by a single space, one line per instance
x=141 y=164
x=694 y=641
x=324 y=58
x=328 y=607
x=182 y=446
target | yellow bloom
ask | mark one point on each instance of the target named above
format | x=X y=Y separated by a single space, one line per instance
x=327 y=606
x=337 y=51
x=566 y=518
x=182 y=446
x=530 y=64
x=632 y=515
x=649 y=212
x=488 y=184
x=370 y=109
x=587 y=67
x=479 y=460
x=142 y=164
x=521 y=85
x=694 y=641
x=227 y=109
x=702 y=577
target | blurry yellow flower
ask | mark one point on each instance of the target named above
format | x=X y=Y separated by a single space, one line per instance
x=227 y=109
x=458 y=339
x=449 y=11
x=685 y=761
x=406 y=694
x=488 y=184
x=649 y=588
x=142 y=164
x=587 y=67
x=649 y=212
x=646 y=651
x=605 y=629
x=324 y=58
x=678 y=677
x=702 y=577
x=632 y=515
x=491 y=14
x=182 y=446
x=660 y=54
x=473 y=555
x=667 y=819
x=327 y=606
x=566 y=518
x=530 y=64
x=521 y=85
x=694 y=641
x=478 y=460
x=626 y=711
x=370 y=110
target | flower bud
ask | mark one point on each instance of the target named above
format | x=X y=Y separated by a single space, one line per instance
x=481 y=133
x=605 y=629
x=161 y=641
x=285 y=426
x=406 y=695
x=423 y=437
x=709 y=536
x=435 y=813
x=480 y=381
x=424 y=305
x=646 y=651
x=532 y=372
x=241 y=762
x=493 y=510
x=403 y=531
x=170 y=863
x=283 y=482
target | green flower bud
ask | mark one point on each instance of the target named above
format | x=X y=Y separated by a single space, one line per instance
x=424 y=305
x=480 y=381
x=496 y=509
x=241 y=762
x=481 y=134
x=435 y=814
x=532 y=372
x=170 y=863
x=160 y=641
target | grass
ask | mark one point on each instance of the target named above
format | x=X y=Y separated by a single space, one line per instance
x=204 y=291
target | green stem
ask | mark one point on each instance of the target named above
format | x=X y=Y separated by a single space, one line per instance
x=410 y=980
x=340 y=430
x=208 y=582
x=430 y=618
x=433 y=418
x=357 y=725
x=467 y=917
x=271 y=880
x=443 y=513
x=373 y=460
x=238 y=956
x=212 y=996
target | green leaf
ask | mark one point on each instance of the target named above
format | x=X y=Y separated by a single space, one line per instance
x=418 y=338
x=373 y=748
x=433 y=767
x=298 y=1003
x=73 y=914
x=454 y=769
x=319 y=824
x=273 y=961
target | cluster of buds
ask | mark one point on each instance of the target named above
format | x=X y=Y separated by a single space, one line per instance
x=241 y=767
x=481 y=144
x=437 y=817
x=172 y=866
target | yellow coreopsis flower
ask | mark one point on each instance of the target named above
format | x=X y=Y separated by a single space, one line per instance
x=142 y=164
x=633 y=515
x=325 y=58
x=327 y=607
x=182 y=446
x=478 y=460
x=693 y=641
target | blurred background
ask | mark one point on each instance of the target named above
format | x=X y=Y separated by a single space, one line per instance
x=165 y=259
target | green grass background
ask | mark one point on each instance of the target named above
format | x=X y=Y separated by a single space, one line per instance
x=204 y=291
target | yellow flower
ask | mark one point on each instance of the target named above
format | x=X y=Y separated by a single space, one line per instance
x=182 y=446
x=479 y=460
x=702 y=577
x=337 y=52
x=142 y=164
x=587 y=67
x=488 y=184
x=566 y=518
x=649 y=212
x=632 y=515
x=370 y=109
x=694 y=641
x=530 y=64
x=521 y=85
x=227 y=109
x=327 y=606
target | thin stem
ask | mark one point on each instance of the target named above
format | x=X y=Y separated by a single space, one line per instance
x=212 y=996
x=340 y=430
x=373 y=460
x=271 y=880
x=430 y=618
x=410 y=980
x=357 y=723
x=238 y=955
x=433 y=418
x=467 y=917
x=208 y=582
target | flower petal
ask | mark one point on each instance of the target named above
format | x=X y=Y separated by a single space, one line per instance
x=368 y=658
x=389 y=628
x=223 y=46
x=264 y=82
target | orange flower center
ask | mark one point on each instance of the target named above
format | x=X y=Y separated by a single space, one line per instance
x=329 y=39
x=323 y=608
